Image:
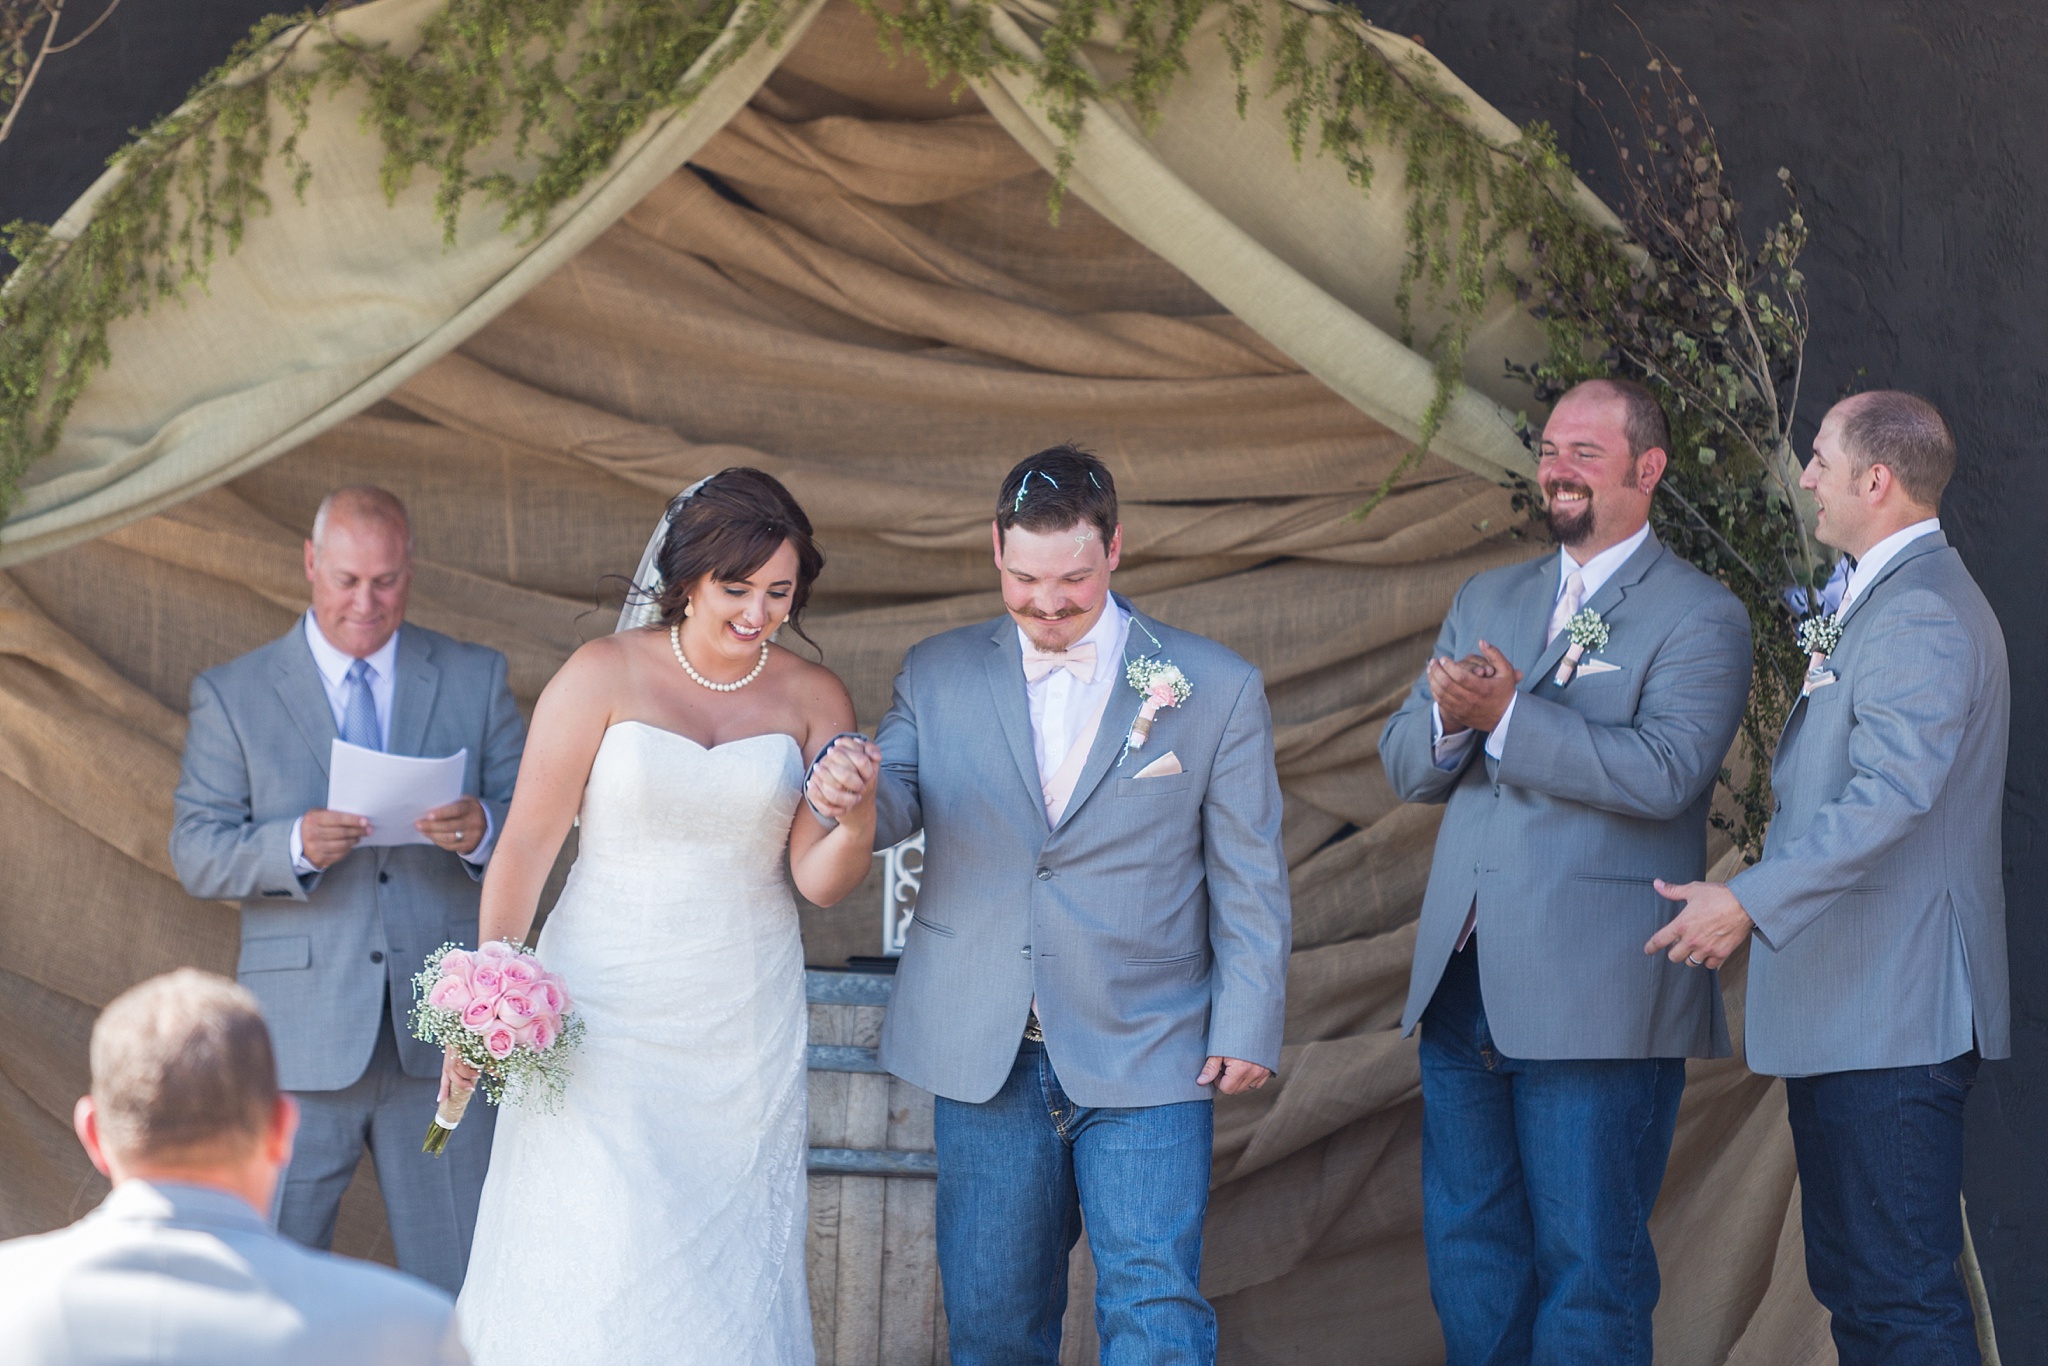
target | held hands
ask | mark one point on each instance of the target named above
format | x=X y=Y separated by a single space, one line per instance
x=1473 y=693
x=1712 y=925
x=458 y=826
x=325 y=836
x=844 y=777
x=1232 y=1075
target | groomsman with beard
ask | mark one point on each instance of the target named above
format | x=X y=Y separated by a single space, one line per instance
x=331 y=933
x=1574 y=718
x=1877 y=967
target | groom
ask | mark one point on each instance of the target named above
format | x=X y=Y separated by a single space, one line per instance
x=1101 y=938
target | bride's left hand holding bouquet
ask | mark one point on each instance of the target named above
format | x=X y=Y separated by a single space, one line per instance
x=502 y=1014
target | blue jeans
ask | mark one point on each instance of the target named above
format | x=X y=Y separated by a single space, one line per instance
x=1538 y=1177
x=1880 y=1182
x=1018 y=1173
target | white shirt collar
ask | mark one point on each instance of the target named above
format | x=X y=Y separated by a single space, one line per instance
x=1107 y=634
x=1594 y=573
x=1883 y=553
x=334 y=665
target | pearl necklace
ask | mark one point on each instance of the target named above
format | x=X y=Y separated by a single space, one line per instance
x=675 y=642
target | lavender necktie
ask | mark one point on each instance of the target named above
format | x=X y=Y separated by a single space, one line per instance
x=359 y=709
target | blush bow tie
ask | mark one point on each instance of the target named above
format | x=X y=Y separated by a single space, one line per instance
x=1079 y=661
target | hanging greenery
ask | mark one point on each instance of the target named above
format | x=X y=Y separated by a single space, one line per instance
x=1682 y=304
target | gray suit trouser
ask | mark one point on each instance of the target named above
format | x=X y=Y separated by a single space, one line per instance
x=430 y=1202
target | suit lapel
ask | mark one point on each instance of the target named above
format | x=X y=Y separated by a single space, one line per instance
x=1603 y=602
x=1924 y=545
x=1532 y=614
x=1012 y=706
x=297 y=681
x=1124 y=702
x=412 y=700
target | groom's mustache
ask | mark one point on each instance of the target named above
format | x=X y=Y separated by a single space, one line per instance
x=1060 y=615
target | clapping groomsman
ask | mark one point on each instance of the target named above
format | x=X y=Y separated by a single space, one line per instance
x=1574 y=718
x=333 y=933
x=1877 y=977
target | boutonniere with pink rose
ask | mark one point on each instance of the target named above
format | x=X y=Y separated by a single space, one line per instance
x=1588 y=631
x=1163 y=685
x=503 y=1014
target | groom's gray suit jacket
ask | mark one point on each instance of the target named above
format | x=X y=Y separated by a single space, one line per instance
x=320 y=952
x=1603 y=785
x=1152 y=924
x=1879 y=903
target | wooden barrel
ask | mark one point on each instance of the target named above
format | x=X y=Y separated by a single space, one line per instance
x=872 y=1258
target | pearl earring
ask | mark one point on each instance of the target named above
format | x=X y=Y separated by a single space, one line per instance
x=686 y=607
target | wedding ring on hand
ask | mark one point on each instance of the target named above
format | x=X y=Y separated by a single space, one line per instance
x=1696 y=962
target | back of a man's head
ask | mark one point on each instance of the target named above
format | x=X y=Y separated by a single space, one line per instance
x=182 y=1072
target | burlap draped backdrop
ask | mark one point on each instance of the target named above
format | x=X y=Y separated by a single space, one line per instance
x=854 y=285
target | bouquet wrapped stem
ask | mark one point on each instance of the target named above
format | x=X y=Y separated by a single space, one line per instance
x=503 y=1014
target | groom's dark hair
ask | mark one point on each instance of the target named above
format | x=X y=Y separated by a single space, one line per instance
x=1055 y=489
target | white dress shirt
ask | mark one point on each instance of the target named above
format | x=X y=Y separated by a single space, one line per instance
x=1883 y=553
x=1593 y=576
x=333 y=665
x=1061 y=703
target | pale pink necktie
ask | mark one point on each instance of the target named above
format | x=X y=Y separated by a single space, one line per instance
x=1567 y=606
x=1079 y=661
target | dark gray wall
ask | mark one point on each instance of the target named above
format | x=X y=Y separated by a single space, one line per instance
x=1913 y=127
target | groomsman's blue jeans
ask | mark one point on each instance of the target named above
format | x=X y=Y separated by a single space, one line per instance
x=1880 y=1184
x=1017 y=1175
x=1538 y=1177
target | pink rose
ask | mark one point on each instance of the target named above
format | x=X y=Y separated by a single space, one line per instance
x=540 y=1032
x=450 y=993
x=1161 y=693
x=499 y=1041
x=486 y=978
x=521 y=969
x=547 y=993
x=479 y=1012
x=457 y=963
x=515 y=1007
x=497 y=950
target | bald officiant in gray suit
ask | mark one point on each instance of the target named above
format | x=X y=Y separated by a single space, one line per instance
x=331 y=933
x=1574 y=719
x=1877 y=974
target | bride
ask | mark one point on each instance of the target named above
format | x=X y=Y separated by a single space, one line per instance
x=660 y=1216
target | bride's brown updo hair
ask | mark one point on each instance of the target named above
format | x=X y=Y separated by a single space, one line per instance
x=727 y=530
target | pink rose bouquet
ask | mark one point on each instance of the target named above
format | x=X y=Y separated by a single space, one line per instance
x=503 y=1014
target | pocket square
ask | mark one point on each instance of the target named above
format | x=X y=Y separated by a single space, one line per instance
x=1597 y=666
x=1165 y=766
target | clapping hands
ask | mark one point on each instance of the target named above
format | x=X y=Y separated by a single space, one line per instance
x=1473 y=693
x=844 y=775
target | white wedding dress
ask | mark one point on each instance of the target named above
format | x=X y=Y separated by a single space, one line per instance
x=659 y=1217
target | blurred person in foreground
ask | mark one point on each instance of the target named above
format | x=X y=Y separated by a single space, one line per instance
x=1876 y=920
x=332 y=933
x=180 y=1263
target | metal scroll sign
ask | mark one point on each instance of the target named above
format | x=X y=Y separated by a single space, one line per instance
x=902 y=873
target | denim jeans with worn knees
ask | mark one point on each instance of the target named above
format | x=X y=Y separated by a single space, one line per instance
x=1538 y=1176
x=1017 y=1176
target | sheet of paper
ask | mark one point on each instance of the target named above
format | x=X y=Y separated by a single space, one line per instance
x=393 y=790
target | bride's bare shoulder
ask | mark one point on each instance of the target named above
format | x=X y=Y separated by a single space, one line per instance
x=603 y=664
x=817 y=691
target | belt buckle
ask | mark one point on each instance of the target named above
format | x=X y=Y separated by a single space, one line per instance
x=1032 y=1032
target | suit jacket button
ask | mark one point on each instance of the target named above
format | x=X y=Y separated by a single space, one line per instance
x=1045 y=874
x=383 y=877
x=376 y=955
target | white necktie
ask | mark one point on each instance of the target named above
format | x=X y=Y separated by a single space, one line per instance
x=1567 y=606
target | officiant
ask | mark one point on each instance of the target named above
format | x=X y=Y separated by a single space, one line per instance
x=333 y=929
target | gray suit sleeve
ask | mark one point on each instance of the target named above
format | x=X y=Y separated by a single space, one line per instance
x=1407 y=741
x=219 y=851
x=899 y=806
x=1910 y=711
x=504 y=743
x=1657 y=765
x=1250 y=916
